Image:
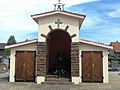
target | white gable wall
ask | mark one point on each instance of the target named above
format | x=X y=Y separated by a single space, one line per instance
x=44 y=22
x=72 y=22
x=86 y=47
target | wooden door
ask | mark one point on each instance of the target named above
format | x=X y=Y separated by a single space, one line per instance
x=92 y=66
x=30 y=66
x=25 y=66
x=97 y=67
x=19 y=66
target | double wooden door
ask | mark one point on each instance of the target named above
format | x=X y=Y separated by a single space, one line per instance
x=25 y=66
x=92 y=66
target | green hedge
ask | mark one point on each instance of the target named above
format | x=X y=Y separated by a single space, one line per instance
x=5 y=53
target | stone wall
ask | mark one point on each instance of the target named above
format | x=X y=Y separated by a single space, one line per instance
x=75 y=59
x=41 y=58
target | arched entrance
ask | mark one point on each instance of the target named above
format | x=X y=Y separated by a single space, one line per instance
x=58 y=54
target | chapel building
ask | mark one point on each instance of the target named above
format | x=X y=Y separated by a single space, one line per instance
x=59 y=53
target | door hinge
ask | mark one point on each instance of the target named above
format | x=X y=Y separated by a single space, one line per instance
x=81 y=76
x=102 y=77
x=34 y=76
x=102 y=56
x=82 y=56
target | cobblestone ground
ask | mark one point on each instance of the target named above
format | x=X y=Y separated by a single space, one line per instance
x=114 y=84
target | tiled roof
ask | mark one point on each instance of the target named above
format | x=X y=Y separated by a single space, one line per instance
x=59 y=11
x=80 y=17
x=81 y=41
x=21 y=43
x=116 y=46
x=2 y=45
x=102 y=45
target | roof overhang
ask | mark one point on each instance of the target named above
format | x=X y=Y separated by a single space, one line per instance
x=96 y=44
x=81 y=41
x=36 y=17
x=20 y=44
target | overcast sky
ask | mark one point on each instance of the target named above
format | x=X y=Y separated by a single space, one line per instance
x=102 y=22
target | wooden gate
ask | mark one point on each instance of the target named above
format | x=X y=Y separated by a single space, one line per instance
x=25 y=66
x=58 y=50
x=92 y=66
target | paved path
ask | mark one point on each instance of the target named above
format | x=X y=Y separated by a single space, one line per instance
x=113 y=85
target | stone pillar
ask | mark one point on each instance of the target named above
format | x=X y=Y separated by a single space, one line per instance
x=41 y=62
x=75 y=62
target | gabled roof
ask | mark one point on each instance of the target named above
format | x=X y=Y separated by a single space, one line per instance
x=40 y=15
x=116 y=46
x=21 y=44
x=2 y=45
x=81 y=41
x=96 y=44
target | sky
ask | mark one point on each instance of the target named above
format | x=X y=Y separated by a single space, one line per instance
x=102 y=22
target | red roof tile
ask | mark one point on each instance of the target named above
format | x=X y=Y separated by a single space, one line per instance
x=116 y=46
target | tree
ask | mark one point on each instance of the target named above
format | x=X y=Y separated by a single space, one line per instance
x=11 y=40
x=26 y=40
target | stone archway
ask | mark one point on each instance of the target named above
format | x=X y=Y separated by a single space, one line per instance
x=58 y=54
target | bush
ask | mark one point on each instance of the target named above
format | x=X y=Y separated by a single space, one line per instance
x=5 y=53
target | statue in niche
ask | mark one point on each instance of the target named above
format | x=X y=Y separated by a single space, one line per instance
x=60 y=69
x=61 y=56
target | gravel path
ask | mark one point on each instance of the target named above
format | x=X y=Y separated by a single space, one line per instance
x=114 y=84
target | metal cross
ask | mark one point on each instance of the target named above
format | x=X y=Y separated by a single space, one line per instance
x=58 y=23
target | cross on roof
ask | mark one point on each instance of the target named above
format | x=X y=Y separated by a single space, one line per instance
x=58 y=23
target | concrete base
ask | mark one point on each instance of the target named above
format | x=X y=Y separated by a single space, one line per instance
x=40 y=79
x=75 y=80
